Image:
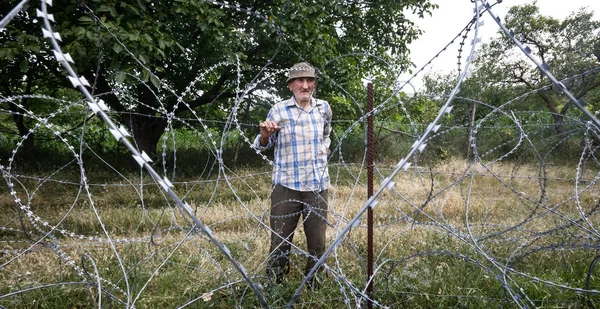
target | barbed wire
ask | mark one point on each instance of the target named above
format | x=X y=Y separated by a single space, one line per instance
x=490 y=220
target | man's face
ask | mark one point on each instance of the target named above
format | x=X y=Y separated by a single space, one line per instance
x=302 y=88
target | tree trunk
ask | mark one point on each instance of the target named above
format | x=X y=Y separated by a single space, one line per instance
x=146 y=131
x=239 y=140
x=559 y=126
x=19 y=120
x=551 y=102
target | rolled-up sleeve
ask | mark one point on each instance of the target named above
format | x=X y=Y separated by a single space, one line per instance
x=272 y=116
x=261 y=148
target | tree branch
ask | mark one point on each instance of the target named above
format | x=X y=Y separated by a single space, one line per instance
x=214 y=93
x=103 y=87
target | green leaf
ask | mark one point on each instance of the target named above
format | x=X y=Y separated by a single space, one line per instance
x=131 y=8
x=145 y=75
x=30 y=48
x=86 y=19
x=10 y=54
x=155 y=81
x=143 y=58
x=141 y=5
x=120 y=77
x=90 y=35
x=108 y=8
x=117 y=48
x=24 y=66
x=79 y=32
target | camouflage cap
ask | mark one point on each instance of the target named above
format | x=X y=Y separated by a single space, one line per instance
x=302 y=69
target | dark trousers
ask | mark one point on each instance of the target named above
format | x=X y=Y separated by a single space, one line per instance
x=286 y=207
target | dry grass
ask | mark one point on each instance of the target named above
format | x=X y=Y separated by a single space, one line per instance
x=169 y=264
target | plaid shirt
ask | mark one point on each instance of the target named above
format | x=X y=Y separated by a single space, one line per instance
x=301 y=145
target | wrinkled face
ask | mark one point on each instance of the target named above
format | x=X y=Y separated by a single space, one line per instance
x=302 y=88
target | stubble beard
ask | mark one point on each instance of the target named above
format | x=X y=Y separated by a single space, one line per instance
x=305 y=99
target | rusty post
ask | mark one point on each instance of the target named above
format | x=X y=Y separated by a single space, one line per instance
x=370 y=167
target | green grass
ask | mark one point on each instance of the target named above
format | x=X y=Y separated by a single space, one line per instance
x=420 y=264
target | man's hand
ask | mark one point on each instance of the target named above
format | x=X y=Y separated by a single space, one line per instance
x=267 y=129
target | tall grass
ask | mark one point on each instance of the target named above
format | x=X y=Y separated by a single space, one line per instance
x=434 y=239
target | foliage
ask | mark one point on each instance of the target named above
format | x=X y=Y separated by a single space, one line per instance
x=502 y=75
x=567 y=47
x=159 y=58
